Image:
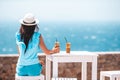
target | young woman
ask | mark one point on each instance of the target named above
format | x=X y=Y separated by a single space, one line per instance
x=29 y=41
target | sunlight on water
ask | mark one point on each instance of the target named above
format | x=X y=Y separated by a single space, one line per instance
x=93 y=37
x=87 y=38
x=4 y=49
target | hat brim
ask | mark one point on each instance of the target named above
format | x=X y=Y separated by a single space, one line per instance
x=31 y=24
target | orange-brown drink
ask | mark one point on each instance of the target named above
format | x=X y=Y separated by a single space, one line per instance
x=57 y=44
x=67 y=47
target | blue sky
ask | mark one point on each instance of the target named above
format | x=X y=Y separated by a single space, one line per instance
x=64 y=10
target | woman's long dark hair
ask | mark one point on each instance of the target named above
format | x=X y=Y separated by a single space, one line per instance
x=26 y=33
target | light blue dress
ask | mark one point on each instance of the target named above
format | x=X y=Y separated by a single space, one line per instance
x=28 y=63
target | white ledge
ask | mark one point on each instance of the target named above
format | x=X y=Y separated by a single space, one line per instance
x=114 y=52
x=43 y=54
x=16 y=55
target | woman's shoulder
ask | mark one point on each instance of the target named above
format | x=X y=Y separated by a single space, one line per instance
x=37 y=34
x=17 y=34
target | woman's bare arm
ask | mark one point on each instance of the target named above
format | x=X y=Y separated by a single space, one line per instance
x=43 y=46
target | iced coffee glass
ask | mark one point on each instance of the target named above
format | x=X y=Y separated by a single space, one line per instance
x=57 y=44
x=67 y=47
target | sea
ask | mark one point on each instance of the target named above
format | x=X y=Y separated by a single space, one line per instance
x=83 y=36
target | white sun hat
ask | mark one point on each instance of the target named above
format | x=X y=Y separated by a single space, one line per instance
x=29 y=20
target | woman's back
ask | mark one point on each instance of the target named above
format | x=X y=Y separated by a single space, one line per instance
x=30 y=56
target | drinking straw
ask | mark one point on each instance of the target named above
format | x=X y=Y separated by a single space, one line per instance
x=65 y=39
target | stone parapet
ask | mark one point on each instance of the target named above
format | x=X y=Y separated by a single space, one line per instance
x=106 y=61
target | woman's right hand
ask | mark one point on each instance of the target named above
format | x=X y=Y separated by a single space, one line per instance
x=56 y=49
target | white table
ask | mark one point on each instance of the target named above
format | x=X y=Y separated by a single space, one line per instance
x=74 y=56
x=113 y=75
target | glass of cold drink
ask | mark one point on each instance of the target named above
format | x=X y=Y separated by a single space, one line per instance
x=68 y=47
